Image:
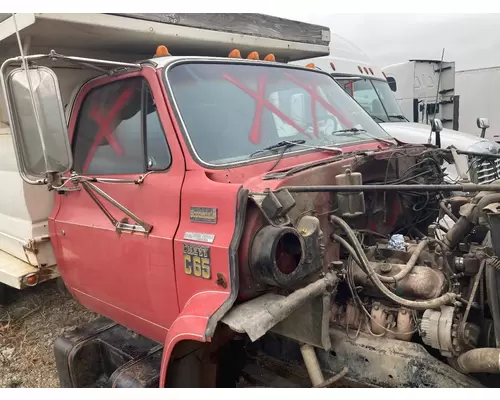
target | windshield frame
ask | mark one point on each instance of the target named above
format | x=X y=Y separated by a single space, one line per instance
x=293 y=151
x=343 y=76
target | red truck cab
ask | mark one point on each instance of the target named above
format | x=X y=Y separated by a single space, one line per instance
x=195 y=130
x=232 y=218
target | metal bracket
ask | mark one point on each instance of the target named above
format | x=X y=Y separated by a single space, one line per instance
x=120 y=226
x=462 y=174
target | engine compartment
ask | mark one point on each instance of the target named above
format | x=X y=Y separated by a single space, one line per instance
x=404 y=276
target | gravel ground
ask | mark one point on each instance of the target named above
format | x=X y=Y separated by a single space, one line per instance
x=28 y=327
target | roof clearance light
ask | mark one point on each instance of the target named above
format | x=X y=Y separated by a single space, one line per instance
x=360 y=69
x=385 y=76
x=332 y=65
x=253 y=56
x=235 y=54
x=366 y=69
x=371 y=70
x=270 y=57
x=161 y=51
x=311 y=65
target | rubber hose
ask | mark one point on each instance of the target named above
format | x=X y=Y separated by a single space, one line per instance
x=349 y=248
x=458 y=232
x=418 y=305
x=479 y=360
x=483 y=202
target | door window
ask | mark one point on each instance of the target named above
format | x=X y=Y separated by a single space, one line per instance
x=119 y=131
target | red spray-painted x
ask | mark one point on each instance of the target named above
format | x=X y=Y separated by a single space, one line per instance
x=316 y=98
x=261 y=102
x=104 y=122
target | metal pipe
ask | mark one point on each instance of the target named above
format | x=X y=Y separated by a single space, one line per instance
x=333 y=379
x=466 y=187
x=312 y=364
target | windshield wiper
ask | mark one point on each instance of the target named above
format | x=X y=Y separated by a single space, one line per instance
x=285 y=143
x=354 y=131
x=378 y=119
x=291 y=143
x=351 y=130
x=398 y=116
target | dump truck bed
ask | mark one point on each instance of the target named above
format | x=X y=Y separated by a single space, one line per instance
x=183 y=34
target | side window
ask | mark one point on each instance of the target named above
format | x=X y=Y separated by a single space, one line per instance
x=119 y=131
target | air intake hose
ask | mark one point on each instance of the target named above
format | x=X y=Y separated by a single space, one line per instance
x=479 y=361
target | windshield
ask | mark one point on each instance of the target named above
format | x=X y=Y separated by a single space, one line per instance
x=232 y=110
x=375 y=96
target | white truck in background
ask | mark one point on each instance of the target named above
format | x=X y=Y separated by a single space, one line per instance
x=373 y=89
x=463 y=97
x=478 y=91
x=415 y=86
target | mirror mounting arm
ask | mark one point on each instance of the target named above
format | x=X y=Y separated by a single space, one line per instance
x=141 y=226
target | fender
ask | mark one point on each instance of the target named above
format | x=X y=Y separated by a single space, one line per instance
x=191 y=324
x=202 y=312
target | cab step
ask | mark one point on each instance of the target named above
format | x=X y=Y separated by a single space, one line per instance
x=107 y=355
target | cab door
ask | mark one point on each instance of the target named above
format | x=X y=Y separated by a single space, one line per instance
x=120 y=129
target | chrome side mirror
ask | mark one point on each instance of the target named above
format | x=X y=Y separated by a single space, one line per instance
x=483 y=124
x=437 y=127
x=37 y=121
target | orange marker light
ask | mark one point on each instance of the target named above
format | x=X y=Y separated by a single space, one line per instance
x=234 y=54
x=270 y=57
x=311 y=65
x=162 y=51
x=253 y=56
x=31 y=280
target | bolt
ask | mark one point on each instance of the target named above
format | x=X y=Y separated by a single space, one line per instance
x=62 y=232
x=403 y=311
x=376 y=306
